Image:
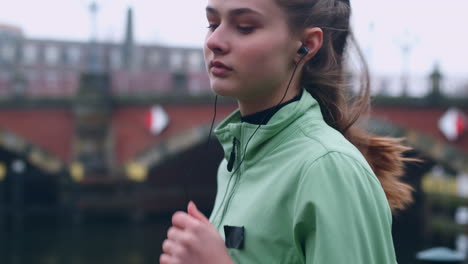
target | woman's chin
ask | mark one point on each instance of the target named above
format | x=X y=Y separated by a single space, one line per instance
x=224 y=90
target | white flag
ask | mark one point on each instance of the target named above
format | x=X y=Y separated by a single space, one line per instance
x=157 y=120
x=452 y=124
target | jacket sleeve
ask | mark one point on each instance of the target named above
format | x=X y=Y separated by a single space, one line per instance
x=341 y=214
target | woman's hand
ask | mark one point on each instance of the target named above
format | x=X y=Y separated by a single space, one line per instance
x=193 y=240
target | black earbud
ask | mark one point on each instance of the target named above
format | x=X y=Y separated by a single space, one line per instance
x=303 y=50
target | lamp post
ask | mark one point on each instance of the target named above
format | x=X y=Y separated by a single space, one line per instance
x=407 y=41
x=18 y=167
x=93 y=63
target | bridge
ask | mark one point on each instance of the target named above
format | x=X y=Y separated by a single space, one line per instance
x=43 y=131
x=58 y=137
x=106 y=141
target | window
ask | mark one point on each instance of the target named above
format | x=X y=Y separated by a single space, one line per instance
x=175 y=60
x=115 y=59
x=179 y=81
x=52 y=55
x=194 y=61
x=73 y=54
x=30 y=54
x=154 y=59
x=7 y=52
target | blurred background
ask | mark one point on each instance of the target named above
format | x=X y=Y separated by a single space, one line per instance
x=105 y=109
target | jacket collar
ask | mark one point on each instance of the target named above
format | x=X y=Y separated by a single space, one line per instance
x=232 y=126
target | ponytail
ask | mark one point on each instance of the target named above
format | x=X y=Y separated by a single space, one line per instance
x=324 y=77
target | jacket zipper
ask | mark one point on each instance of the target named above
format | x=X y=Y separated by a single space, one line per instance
x=236 y=159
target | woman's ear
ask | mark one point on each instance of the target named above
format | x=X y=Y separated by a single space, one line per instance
x=312 y=39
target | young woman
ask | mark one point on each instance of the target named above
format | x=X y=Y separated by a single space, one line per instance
x=300 y=183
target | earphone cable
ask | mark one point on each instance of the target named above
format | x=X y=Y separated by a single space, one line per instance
x=245 y=149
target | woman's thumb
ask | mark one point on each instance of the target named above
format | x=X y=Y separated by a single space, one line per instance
x=193 y=211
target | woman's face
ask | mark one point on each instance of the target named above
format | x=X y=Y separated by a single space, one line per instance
x=249 y=52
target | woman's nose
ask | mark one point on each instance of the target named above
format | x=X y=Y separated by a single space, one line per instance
x=217 y=42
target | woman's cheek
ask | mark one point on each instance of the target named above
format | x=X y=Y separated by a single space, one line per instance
x=255 y=64
x=266 y=57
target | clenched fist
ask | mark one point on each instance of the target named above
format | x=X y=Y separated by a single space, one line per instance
x=193 y=240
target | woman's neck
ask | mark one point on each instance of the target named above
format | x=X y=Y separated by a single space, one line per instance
x=248 y=107
x=263 y=117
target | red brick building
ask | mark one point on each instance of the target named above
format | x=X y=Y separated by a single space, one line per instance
x=51 y=68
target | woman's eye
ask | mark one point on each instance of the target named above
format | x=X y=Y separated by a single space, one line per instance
x=212 y=27
x=245 y=29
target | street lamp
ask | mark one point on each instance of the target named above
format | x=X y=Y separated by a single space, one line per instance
x=18 y=166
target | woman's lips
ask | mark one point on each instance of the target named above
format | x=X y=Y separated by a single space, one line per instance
x=218 y=69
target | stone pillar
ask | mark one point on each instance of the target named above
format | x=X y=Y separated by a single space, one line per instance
x=92 y=140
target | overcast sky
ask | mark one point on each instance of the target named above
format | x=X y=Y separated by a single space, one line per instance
x=437 y=31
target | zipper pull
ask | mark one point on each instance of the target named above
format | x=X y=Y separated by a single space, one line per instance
x=232 y=158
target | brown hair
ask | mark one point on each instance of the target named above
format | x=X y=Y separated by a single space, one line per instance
x=324 y=76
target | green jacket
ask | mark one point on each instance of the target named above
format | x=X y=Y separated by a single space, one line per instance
x=303 y=193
